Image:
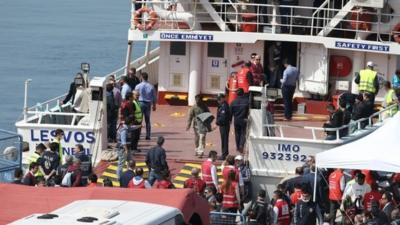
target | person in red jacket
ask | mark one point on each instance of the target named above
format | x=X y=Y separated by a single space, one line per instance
x=281 y=209
x=138 y=182
x=257 y=71
x=209 y=170
x=230 y=196
x=92 y=180
x=296 y=195
x=337 y=184
x=245 y=78
x=165 y=182
x=195 y=182
x=373 y=195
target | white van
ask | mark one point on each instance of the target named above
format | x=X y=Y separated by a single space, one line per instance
x=108 y=212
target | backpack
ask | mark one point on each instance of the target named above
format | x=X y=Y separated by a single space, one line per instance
x=67 y=180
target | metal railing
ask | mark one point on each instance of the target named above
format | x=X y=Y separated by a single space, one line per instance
x=51 y=109
x=224 y=218
x=353 y=129
x=10 y=154
x=288 y=19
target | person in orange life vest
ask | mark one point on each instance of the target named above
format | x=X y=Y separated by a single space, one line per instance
x=165 y=182
x=209 y=170
x=195 y=182
x=281 y=209
x=231 y=87
x=296 y=195
x=258 y=71
x=92 y=180
x=373 y=195
x=337 y=184
x=229 y=165
x=138 y=182
x=230 y=194
x=245 y=78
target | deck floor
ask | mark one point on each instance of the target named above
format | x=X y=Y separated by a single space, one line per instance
x=170 y=122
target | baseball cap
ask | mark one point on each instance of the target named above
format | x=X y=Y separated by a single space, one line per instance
x=239 y=157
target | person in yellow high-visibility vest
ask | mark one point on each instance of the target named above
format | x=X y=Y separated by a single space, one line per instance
x=137 y=120
x=35 y=156
x=367 y=80
x=390 y=99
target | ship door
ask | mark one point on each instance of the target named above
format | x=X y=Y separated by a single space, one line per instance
x=313 y=69
x=215 y=68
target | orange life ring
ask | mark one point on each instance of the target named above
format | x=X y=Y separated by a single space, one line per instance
x=138 y=17
x=361 y=20
x=396 y=33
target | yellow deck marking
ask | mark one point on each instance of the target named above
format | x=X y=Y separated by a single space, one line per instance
x=177 y=114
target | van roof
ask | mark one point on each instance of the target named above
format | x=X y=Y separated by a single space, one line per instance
x=114 y=211
x=19 y=201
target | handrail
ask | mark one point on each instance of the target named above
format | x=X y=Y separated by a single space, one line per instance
x=336 y=129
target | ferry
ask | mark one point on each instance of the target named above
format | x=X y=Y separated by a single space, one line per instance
x=199 y=43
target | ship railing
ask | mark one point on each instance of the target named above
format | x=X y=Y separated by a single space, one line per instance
x=55 y=117
x=10 y=154
x=286 y=19
x=352 y=130
x=50 y=109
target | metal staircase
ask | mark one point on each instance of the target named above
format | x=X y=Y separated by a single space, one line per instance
x=329 y=15
x=205 y=12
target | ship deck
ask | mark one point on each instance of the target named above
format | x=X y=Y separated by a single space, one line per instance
x=170 y=122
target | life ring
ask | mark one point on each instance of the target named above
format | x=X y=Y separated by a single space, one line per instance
x=361 y=20
x=396 y=33
x=153 y=17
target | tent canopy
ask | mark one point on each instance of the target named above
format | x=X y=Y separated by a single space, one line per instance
x=379 y=150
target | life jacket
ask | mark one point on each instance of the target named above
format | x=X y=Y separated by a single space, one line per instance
x=138 y=115
x=196 y=184
x=367 y=78
x=163 y=184
x=33 y=158
x=232 y=88
x=139 y=185
x=389 y=101
x=229 y=199
x=227 y=169
x=206 y=172
x=283 y=212
x=242 y=79
x=335 y=194
x=369 y=197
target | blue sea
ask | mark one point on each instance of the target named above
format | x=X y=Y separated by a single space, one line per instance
x=46 y=40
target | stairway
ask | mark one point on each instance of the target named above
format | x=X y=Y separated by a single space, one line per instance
x=329 y=16
x=205 y=12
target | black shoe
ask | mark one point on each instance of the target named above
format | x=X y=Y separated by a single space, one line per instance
x=222 y=158
x=147 y=138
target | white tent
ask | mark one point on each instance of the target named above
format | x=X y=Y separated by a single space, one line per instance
x=379 y=150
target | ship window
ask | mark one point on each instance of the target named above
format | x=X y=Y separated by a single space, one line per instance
x=177 y=48
x=215 y=50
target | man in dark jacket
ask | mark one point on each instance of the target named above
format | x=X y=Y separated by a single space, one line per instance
x=240 y=111
x=335 y=121
x=127 y=175
x=224 y=122
x=156 y=161
x=306 y=211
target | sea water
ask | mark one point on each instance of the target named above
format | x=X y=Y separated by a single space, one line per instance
x=46 y=40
